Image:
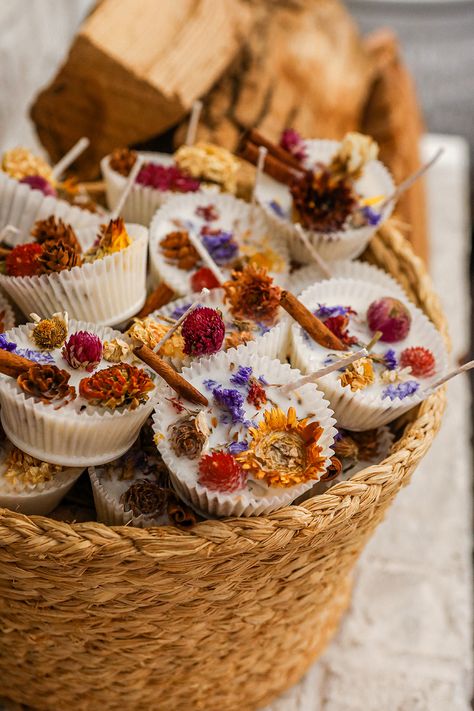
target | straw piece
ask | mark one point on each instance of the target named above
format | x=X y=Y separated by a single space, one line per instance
x=193 y=123
x=403 y=187
x=206 y=257
x=262 y=154
x=128 y=186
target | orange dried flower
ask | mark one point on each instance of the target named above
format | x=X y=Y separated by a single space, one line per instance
x=177 y=248
x=121 y=385
x=252 y=294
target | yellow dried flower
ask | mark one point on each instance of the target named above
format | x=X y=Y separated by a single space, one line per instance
x=358 y=375
x=51 y=332
x=116 y=350
x=113 y=238
x=23 y=470
x=20 y=162
x=210 y=163
x=355 y=151
x=150 y=333
x=283 y=450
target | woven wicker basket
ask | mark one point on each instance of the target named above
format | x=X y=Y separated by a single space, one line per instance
x=224 y=617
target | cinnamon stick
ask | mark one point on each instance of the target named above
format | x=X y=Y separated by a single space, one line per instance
x=161 y=296
x=313 y=326
x=12 y=364
x=253 y=136
x=169 y=374
x=274 y=167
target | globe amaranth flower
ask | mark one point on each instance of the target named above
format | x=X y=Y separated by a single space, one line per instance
x=37 y=182
x=221 y=245
x=203 y=331
x=421 y=361
x=167 y=177
x=83 y=350
x=220 y=471
x=23 y=260
x=283 y=451
x=401 y=390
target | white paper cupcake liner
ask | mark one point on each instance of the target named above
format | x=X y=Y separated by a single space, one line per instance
x=234 y=215
x=365 y=409
x=21 y=206
x=107 y=291
x=78 y=434
x=344 y=244
x=109 y=509
x=306 y=277
x=273 y=343
x=242 y=503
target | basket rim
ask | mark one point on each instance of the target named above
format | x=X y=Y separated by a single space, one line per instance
x=317 y=513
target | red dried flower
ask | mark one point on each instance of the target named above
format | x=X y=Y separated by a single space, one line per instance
x=167 y=177
x=203 y=279
x=256 y=395
x=339 y=326
x=120 y=385
x=323 y=202
x=207 y=212
x=83 y=350
x=203 y=331
x=23 y=260
x=252 y=294
x=420 y=360
x=220 y=471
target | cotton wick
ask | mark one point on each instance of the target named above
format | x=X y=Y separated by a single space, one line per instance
x=206 y=257
x=178 y=323
x=314 y=376
x=403 y=187
x=193 y=123
x=317 y=259
x=128 y=186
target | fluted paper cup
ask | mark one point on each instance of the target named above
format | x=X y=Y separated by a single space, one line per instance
x=249 y=225
x=77 y=434
x=276 y=200
x=107 y=291
x=256 y=498
x=364 y=409
x=272 y=342
x=21 y=206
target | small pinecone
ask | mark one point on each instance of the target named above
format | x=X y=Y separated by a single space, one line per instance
x=178 y=249
x=321 y=202
x=58 y=256
x=55 y=229
x=122 y=161
x=47 y=383
x=145 y=498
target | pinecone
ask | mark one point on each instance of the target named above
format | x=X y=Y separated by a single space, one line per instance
x=58 y=256
x=54 y=229
x=322 y=202
x=122 y=160
x=177 y=248
x=47 y=383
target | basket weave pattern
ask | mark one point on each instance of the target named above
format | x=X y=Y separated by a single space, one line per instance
x=220 y=618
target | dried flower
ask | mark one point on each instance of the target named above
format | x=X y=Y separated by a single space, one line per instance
x=37 y=182
x=122 y=161
x=220 y=471
x=116 y=350
x=401 y=391
x=5 y=344
x=323 y=311
x=237 y=447
x=145 y=498
x=35 y=356
x=188 y=435
x=291 y=141
x=180 y=310
x=391 y=317
x=203 y=331
x=83 y=350
x=177 y=249
x=368 y=443
x=50 y=333
x=346 y=448
x=150 y=333
x=256 y=395
x=420 y=360
x=355 y=151
x=58 y=256
x=229 y=400
x=20 y=162
x=204 y=279
x=252 y=294
x=333 y=470
x=238 y=338
x=209 y=213
x=209 y=163
x=339 y=326
x=242 y=376
x=53 y=228
x=397 y=375
x=120 y=385
x=23 y=260
x=179 y=514
x=221 y=245
x=358 y=375
x=321 y=202
x=166 y=177
x=390 y=359
x=278 y=209
x=22 y=470
x=283 y=450
x=113 y=238
x=47 y=383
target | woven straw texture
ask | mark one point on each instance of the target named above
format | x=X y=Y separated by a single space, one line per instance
x=220 y=618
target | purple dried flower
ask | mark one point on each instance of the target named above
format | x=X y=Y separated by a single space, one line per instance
x=6 y=345
x=277 y=209
x=291 y=141
x=372 y=218
x=180 y=310
x=324 y=311
x=390 y=359
x=230 y=400
x=83 y=350
x=221 y=245
x=38 y=356
x=237 y=447
x=401 y=390
x=242 y=376
x=37 y=182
